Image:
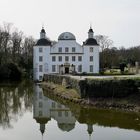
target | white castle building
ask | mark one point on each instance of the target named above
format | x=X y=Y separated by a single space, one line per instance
x=65 y=56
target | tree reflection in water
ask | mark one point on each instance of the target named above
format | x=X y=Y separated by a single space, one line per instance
x=15 y=99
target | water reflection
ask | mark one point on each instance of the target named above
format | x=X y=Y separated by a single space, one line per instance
x=107 y=118
x=45 y=109
x=46 y=106
x=14 y=101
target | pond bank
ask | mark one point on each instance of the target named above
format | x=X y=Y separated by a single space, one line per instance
x=129 y=103
x=116 y=87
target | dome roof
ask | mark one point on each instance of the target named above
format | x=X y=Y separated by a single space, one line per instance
x=66 y=36
x=43 y=42
x=90 y=41
x=66 y=127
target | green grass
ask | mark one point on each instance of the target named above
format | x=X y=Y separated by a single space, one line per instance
x=70 y=93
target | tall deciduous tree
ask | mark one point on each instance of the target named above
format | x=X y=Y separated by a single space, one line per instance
x=105 y=43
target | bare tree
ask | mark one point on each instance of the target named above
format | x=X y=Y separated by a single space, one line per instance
x=16 y=38
x=4 y=39
x=105 y=43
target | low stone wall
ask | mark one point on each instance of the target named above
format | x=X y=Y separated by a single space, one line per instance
x=98 y=87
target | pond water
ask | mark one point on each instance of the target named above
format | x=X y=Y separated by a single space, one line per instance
x=27 y=112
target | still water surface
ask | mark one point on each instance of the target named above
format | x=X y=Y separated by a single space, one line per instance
x=25 y=113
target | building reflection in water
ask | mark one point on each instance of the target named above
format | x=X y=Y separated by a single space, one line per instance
x=45 y=109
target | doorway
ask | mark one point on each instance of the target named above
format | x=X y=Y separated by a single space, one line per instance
x=66 y=70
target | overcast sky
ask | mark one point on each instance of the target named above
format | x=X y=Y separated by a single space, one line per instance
x=118 y=19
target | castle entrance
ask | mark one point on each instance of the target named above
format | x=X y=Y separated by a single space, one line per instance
x=66 y=70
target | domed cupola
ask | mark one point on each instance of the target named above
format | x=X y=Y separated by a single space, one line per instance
x=66 y=36
x=42 y=33
x=90 y=33
x=90 y=40
x=43 y=41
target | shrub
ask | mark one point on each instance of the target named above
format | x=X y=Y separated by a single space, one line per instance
x=10 y=71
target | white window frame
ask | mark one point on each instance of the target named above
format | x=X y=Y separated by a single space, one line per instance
x=60 y=60
x=73 y=58
x=53 y=58
x=40 y=68
x=91 y=68
x=91 y=58
x=40 y=49
x=66 y=58
x=79 y=58
x=73 y=49
x=91 y=49
x=59 y=49
x=40 y=58
x=53 y=68
x=66 y=49
x=79 y=68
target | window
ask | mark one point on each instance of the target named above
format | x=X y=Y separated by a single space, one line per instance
x=40 y=105
x=79 y=58
x=40 y=95
x=40 y=68
x=73 y=58
x=40 y=58
x=91 y=68
x=40 y=113
x=59 y=49
x=79 y=68
x=53 y=104
x=66 y=49
x=66 y=58
x=73 y=49
x=53 y=68
x=91 y=49
x=53 y=58
x=40 y=77
x=40 y=50
x=66 y=114
x=59 y=114
x=59 y=58
x=59 y=105
x=91 y=58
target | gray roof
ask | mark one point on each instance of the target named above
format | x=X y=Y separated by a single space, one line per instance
x=43 y=42
x=66 y=36
x=90 y=41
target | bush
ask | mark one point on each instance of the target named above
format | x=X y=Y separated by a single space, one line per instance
x=10 y=71
x=111 y=87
